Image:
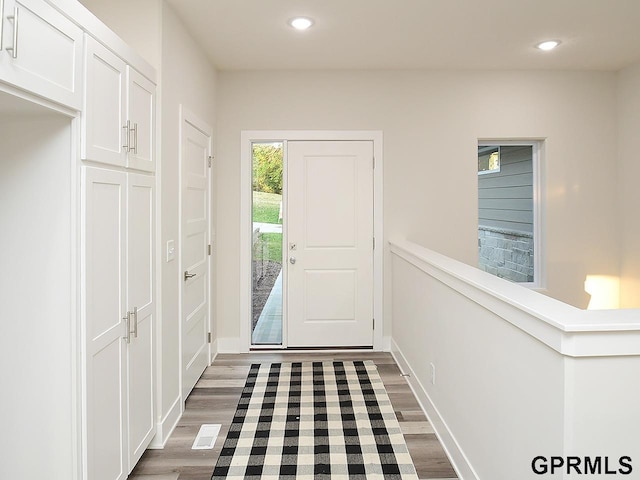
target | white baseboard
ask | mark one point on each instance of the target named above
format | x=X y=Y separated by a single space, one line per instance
x=165 y=427
x=228 y=345
x=386 y=344
x=458 y=459
x=214 y=351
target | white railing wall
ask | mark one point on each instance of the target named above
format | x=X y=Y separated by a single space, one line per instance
x=506 y=374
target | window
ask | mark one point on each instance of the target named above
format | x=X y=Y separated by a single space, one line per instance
x=509 y=244
x=488 y=159
x=267 y=302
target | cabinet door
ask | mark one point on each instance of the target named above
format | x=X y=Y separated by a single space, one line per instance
x=42 y=52
x=140 y=273
x=104 y=133
x=105 y=283
x=141 y=114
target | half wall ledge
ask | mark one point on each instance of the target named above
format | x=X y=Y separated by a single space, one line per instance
x=568 y=330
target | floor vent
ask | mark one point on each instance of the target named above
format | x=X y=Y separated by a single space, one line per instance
x=206 y=438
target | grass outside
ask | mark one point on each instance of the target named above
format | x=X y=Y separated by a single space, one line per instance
x=266 y=207
x=269 y=247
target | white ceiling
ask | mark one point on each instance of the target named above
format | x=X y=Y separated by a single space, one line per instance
x=415 y=34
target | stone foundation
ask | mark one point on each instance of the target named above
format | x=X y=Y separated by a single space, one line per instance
x=506 y=253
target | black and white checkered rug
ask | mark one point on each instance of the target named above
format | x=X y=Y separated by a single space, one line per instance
x=314 y=420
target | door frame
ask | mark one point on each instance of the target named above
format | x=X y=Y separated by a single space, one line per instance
x=187 y=116
x=247 y=138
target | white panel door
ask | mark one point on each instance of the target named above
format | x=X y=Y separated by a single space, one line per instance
x=141 y=116
x=140 y=297
x=330 y=239
x=104 y=135
x=195 y=154
x=104 y=258
x=42 y=51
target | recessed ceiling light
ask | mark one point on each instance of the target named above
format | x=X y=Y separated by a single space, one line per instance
x=301 y=23
x=548 y=45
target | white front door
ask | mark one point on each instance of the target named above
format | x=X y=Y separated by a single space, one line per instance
x=330 y=244
x=196 y=149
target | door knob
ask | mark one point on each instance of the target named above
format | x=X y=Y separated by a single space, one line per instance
x=188 y=275
x=292 y=260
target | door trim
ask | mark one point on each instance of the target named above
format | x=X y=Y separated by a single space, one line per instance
x=187 y=116
x=250 y=136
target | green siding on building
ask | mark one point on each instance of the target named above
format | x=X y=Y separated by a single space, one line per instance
x=505 y=198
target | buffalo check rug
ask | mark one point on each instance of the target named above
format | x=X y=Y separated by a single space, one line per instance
x=314 y=420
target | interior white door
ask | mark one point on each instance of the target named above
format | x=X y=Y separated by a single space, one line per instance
x=330 y=244
x=104 y=257
x=140 y=298
x=196 y=149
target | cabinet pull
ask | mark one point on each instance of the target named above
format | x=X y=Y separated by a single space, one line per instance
x=135 y=322
x=1 y=21
x=135 y=139
x=127 y=134
x=14 y=49
x=127 y=319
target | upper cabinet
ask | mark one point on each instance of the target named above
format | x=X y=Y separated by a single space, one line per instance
x=118 y=118
x=41 y=51
x=141 y=95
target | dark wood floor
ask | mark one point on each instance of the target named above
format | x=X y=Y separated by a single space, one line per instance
x=216 y=395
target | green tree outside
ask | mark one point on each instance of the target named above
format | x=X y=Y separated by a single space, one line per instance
x=267 y=167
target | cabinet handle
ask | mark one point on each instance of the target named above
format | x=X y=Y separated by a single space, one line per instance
x=127 y=319
x=127 y=134
x=14 y=49
x=135 y=322
x=1 y=21
x=135 y=139
x=188 y=275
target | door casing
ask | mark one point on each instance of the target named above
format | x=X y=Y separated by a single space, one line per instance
x=249 y=137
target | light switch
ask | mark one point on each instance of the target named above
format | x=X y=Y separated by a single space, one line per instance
x=171 y=250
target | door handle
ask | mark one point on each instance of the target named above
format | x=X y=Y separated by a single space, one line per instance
x=127 y=136
x=1 y=21
x=188 y=275
x=14 y=17
x=292 y=260
x=127 y=321
x=135 y=139
x=135 y=322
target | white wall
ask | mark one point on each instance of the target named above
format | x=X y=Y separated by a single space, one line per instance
x=187 y=78
x=498 y=392
x=431 y=123
x=38 y=333
x=138 y=23
x=517 y=374
x=629 y=161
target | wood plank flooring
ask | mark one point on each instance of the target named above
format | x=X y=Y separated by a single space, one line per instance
x=216 y=395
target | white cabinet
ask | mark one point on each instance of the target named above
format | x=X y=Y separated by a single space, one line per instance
x=119 y=111
x=119 y=314
x=41 y=51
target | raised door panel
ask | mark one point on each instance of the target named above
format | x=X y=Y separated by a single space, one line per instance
x=104 y=308
x=104 y=133
x=140 y=274
x=43 y=52
x=141 y=114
